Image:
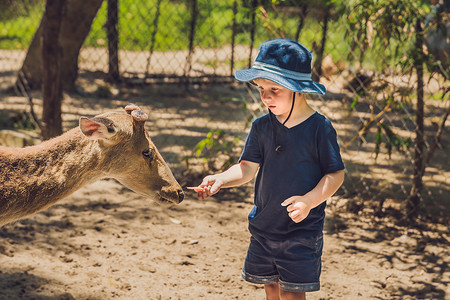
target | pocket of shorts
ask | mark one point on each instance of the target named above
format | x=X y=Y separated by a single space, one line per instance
x=314 y=243
x=319 y=244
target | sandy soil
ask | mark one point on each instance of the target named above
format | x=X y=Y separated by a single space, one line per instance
x=106 y=242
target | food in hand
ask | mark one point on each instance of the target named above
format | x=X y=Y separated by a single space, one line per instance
x=196 y=188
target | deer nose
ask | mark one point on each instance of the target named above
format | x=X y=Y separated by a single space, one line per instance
x=180 y=196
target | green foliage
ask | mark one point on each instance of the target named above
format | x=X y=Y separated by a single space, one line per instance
x=15 y=8
x=353 y=105
x=16 y=120
x=391 y=140
x=440 y=96
x=385 y=25
x=370 y=26
x=216 y=143
x=103 y=91
x=384 y=133
x=18 y=22
x=137 y=25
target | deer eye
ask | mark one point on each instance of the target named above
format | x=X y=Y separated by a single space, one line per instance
x=148 y=154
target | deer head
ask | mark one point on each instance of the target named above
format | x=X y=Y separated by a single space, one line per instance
x=129 y=155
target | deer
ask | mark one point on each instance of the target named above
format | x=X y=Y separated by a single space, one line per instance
x=110 y=145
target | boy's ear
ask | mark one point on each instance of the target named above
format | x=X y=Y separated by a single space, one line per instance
x=97 y=128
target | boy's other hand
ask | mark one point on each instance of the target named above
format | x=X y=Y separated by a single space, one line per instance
x=297 y=208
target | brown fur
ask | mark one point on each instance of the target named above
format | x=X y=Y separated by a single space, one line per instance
x=34 y=178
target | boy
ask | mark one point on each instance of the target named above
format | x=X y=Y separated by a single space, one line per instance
x=294 y=152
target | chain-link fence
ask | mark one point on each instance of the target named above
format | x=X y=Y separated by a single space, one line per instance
x=372 y=93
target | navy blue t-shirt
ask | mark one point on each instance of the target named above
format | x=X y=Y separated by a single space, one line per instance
x=309 y=151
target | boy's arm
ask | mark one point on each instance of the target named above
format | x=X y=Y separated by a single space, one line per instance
x=236 y=175
x=298 y=207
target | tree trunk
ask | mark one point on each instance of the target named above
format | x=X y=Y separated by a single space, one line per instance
x=233 y=37
x=194 y=12
x=51 y=57
x=317 y=70
x=113 y=40
x=414 y=198
x=153 y=36
x=252 y=30
x=75 y=27
x=303 y=14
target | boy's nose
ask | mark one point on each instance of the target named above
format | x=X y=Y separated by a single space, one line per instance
x=265 y=95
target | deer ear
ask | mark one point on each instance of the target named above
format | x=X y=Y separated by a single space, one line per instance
x=97 y=128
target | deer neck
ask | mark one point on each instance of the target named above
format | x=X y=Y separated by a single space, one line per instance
x=34 y=178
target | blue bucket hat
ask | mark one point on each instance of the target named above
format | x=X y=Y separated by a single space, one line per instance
x=285 y=62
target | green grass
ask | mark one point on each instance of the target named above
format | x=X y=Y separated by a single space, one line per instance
x=440 y=97
x=18 y=24
x=136 y=25
x=19 y=21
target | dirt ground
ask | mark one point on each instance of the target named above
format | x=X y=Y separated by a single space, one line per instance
x=106 y=242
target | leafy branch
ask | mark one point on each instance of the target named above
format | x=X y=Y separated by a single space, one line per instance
x=216 y=144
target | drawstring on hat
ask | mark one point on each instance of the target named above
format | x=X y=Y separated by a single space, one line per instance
x=278 y=147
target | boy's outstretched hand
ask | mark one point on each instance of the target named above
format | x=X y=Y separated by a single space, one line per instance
x=297 y=208
x=209 y=186
x=236 y=175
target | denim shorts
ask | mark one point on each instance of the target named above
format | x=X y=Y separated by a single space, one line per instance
x=294 y=263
